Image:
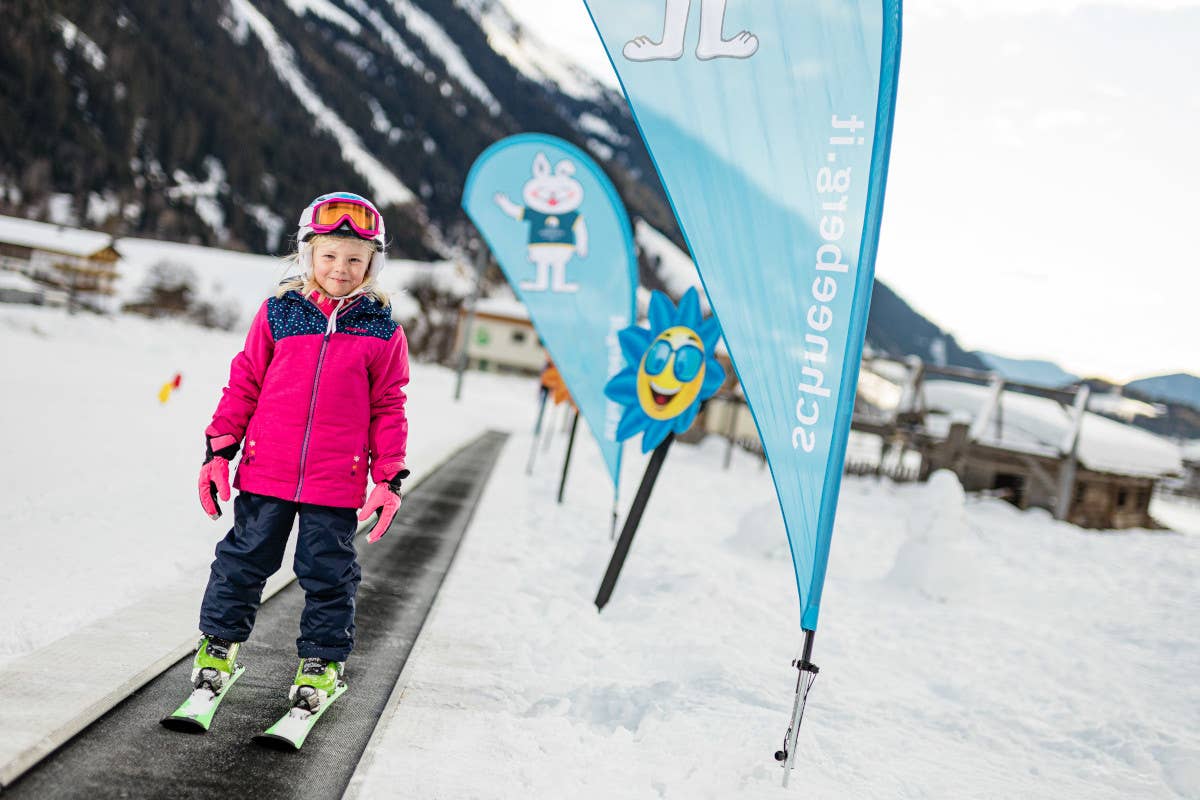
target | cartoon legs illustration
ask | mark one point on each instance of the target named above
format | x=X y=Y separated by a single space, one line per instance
x=712 y=43
x=670 y=48
x=551 y=262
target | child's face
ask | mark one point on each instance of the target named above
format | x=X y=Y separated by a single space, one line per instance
x=340 y=265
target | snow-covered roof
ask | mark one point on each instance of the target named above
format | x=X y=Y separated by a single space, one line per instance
x=894 y=371
x=1038 y=426
x=1191 y=451
x=54 y=238
x=1118 y=405
x=502 y=306
x=878 y=389
x=15 y=281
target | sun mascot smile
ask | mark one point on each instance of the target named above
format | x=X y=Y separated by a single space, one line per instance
x=670 y=370
x=671 y=373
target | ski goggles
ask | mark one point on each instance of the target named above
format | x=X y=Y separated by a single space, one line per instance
x=688 y=360
x=329 y=215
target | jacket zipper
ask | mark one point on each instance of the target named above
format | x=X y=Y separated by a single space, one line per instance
x=312 y=408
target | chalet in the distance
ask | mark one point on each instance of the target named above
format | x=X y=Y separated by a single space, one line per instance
x=69 y=264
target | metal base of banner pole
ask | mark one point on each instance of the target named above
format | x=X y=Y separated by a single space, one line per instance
x=562 y=484
x=807 y=674
x=537 y=430
x=631 y=523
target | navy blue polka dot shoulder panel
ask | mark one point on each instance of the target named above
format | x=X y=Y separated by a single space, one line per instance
x=367 y=318
x=293 y=315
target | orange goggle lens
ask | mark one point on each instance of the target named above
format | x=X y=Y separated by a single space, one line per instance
x=333 y=212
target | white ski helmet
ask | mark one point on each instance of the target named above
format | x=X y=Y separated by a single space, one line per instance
x=342 y=214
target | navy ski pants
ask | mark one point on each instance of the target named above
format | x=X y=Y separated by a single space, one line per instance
x=252 y=551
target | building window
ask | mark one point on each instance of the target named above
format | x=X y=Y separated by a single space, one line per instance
x=1122 y=497
x=518 y=337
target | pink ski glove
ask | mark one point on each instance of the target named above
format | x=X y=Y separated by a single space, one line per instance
x=385 y=498
x=214 y=475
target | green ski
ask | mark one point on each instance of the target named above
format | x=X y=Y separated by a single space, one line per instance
x=293 y=727
x=196 y=713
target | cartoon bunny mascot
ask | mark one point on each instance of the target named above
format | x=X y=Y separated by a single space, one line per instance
x=712 y=44
x=557 y=231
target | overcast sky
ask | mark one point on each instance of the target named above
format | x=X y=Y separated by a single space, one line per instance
x=1043 y=196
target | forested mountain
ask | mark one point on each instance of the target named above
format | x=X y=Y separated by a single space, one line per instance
x=215 y=122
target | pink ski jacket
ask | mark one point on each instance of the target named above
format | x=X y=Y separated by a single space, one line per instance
x=317 y=408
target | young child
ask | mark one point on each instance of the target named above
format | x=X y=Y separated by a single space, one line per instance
x=317 y=396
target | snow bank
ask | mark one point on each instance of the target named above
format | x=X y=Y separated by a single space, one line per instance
x=938 y=558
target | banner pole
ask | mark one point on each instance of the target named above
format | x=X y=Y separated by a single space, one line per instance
x=807 y=674
x=562 y=484
x=470 y=323
x=548 y=436
x=612 y=530
x=733 y=409
x=537 y=430
x=631 y=523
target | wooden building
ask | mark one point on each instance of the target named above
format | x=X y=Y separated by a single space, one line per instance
x=500 y=337
x=1189 y=483
x=83 y=264
x=1034 y=446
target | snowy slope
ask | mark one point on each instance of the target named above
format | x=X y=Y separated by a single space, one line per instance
x=441 y=45
x=387 y=188
x=530 y=53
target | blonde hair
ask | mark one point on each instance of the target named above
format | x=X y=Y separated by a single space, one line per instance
x=306 y=283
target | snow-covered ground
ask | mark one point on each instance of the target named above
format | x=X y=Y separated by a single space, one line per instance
x=99 y=478
x=967 y=649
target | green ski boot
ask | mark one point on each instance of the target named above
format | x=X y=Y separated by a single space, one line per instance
x=214 y=671
x=316 y=680
x=318 y=684
x=215 y=662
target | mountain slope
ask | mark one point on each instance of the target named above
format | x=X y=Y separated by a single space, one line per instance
x=1179 y=388
x=215 y=123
